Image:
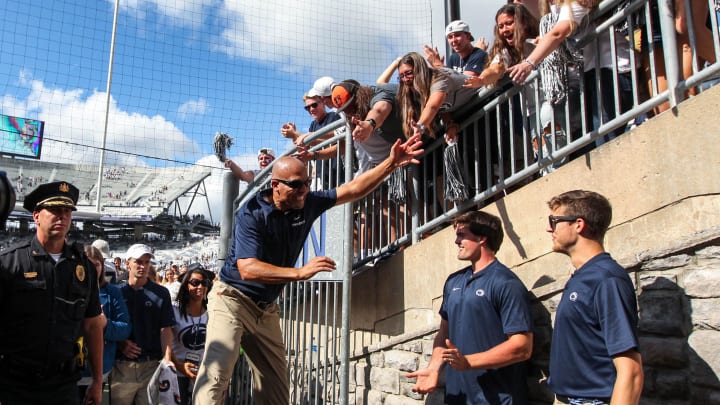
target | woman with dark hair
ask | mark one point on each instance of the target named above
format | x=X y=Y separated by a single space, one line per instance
x=514 y=26
x=117 y=327
x=189 y=331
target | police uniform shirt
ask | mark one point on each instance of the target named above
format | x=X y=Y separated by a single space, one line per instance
x=482 y=309
x=43 y=303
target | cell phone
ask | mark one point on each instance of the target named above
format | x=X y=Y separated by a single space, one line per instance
x=193 y=358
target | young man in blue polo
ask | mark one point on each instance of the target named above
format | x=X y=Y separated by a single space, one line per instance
x=485 y=333
x=594 y=357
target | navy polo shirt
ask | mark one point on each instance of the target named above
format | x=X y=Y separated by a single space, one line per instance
x=150 y=310
x=475 y=62
x=481 y=310
x=272 y=236
x=596 y=320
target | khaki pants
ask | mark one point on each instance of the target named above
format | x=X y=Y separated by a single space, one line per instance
x=234 y=319
x=129 y=382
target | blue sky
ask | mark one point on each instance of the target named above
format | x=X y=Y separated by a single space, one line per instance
x=184 y=70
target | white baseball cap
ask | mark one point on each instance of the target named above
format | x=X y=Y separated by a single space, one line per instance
x=322 y=87
x=137 y=251
x=103 y=247
x=458 y=26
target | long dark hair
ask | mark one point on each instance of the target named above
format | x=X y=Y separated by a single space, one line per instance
x=183 y=295
x=526 y=27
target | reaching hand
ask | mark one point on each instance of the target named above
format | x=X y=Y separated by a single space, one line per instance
x=482 y=44
x=427 y=380
x=316 y=265
x=288 y=130
x=403 y=154
x=303 y=153
x=474 y=82
x=520 y=72
x=433 y=56
x=362 y=130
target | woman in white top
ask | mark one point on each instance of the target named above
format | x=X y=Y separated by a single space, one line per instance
x=190 y=328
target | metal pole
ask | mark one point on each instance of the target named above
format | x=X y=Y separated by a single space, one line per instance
x=230 y=191
x=452 y=13
x=672 y=69
x=346 y=279
x=98 y=192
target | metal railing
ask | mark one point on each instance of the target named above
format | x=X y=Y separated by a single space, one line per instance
x=504 y=144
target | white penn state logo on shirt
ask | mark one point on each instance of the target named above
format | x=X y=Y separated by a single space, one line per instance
x=573 y=296
x=480 y=292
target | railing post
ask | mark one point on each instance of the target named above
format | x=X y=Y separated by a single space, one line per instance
x=231 y=186
x=669 y=40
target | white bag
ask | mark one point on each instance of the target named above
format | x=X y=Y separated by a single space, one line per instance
x=163 y=386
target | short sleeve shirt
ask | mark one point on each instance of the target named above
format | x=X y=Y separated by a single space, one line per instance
x=456 y=95
x=596 y=320
x=475 y=62
x=272 y=236
x=482 y=309
x=150 y=310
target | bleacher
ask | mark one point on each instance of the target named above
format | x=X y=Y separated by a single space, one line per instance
x=126 y=191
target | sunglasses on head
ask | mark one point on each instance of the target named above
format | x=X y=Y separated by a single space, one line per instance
x=313 y=105
x=295 y=184
x=554 y=219
x=195 y=282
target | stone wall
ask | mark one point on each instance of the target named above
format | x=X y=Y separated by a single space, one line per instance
x=678 y=297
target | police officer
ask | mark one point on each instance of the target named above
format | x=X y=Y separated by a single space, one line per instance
x=48 y=300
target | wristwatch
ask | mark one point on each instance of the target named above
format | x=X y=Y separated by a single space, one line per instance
x=372 y=122
x=421 y=127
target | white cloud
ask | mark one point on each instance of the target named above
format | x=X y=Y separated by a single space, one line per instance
x=193 y=107
x=74 y=126
x=180 y=13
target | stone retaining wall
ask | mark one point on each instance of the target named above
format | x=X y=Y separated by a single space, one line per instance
x=679 y=301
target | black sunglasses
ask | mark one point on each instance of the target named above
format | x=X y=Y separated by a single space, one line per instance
x=313 y=105
x=554 y=219
x=407 y=73
x=195 y=282
x=295 y=184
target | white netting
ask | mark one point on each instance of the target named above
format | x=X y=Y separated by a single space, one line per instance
x=183 y=70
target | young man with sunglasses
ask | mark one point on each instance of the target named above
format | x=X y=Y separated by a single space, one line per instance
x=327 y=170
x=594 y=357
x=270 y=230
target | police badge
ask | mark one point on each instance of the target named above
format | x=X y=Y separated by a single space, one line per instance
x=80 y=272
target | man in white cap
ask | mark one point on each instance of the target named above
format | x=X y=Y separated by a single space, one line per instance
x=151 y=339
x=466 y=58
x=265 y=157
x=323 y=88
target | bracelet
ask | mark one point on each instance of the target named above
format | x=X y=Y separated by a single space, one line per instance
x=421 y=127
x=534 y=66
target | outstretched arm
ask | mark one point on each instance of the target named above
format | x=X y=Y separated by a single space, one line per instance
x=401 y=154
x=238 y=172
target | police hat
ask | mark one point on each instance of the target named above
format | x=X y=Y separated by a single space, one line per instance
x=57 y=194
